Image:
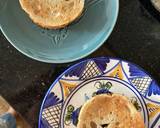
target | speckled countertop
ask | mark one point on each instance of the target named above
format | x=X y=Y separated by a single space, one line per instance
x=136 y=38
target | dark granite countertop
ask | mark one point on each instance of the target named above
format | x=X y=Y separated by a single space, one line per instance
x=136 y=38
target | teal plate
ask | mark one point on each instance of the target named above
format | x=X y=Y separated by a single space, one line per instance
x=58 y=46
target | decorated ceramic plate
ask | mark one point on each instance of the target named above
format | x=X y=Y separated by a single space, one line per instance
x=66 y=96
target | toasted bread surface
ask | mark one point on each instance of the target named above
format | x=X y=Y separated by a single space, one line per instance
x=53 y=14
x=109 y=111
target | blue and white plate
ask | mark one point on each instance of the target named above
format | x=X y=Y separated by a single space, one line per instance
x=63 y=101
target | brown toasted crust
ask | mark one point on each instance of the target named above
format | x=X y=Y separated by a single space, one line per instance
x=41 y=12
x=114 y=110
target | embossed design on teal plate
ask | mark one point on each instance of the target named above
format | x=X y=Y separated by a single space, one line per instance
x=57 y=37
